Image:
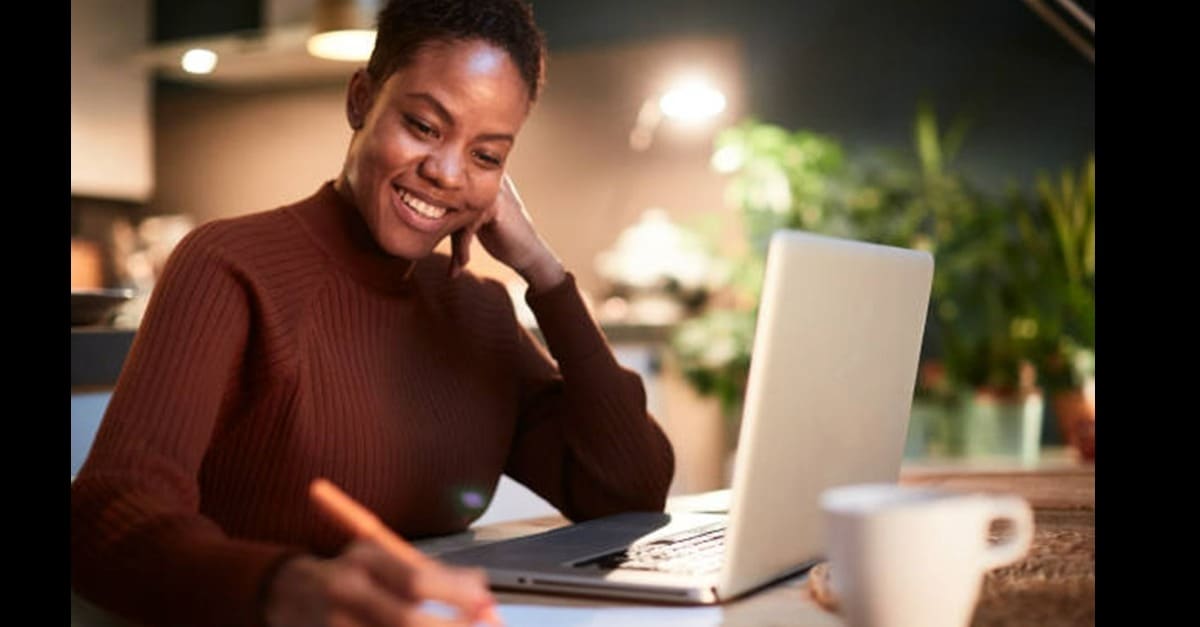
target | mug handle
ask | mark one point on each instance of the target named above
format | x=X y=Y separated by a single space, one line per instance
x=1016 y=509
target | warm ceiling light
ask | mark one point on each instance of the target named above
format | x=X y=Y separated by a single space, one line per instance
x=691 y=100
x=342 y=45
x=343 y=30
x=198 y=61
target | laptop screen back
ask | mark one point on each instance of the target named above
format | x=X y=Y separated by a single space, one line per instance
x=832 y=374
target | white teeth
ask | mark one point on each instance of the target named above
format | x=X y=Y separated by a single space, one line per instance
x=432 y=212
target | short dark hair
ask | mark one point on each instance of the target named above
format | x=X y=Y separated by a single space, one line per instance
x=403 y=26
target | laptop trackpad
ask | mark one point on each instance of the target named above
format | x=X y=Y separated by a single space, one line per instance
x=570 y=544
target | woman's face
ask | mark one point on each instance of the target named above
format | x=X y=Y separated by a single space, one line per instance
x=430 y=143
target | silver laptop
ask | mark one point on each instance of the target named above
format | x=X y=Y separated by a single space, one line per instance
x=830 y=389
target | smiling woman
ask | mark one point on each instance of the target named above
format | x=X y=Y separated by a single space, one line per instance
x=428 y=153
x=326 y=339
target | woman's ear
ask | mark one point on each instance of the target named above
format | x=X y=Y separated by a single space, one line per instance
x=358 y=98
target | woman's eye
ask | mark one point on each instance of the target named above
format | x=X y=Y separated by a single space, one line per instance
x=488 y=158
x=421 y=127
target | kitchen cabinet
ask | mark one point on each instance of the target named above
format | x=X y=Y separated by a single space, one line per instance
x=111 y=138
x=97 y=355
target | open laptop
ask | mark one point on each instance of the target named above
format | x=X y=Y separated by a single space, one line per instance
x=830 y=389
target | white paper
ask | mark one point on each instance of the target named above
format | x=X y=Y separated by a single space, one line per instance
x=525 y=614
x=519 y=615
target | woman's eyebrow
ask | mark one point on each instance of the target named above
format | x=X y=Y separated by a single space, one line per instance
x=495 y=137
x=433 y=102
x=441 y=112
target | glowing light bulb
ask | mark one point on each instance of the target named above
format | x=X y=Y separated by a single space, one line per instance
x=199 y=61
x=342 y=45
x=692 y=100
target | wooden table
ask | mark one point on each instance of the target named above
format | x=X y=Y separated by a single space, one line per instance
x=1053 y=585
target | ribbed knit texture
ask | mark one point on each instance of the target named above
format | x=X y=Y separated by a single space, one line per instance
x=286 y=345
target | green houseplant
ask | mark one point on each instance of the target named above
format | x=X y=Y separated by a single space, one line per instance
x=998 y=311
x=1013 y=303
x=1068 y=361
x=778 y=179
x=781 y=179
x=989 y=299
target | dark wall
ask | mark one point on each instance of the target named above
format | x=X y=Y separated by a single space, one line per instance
x=851 y=68
x=856 y=68
x=185 y=19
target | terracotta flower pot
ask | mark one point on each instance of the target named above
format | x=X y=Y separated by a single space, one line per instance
x=1003 y=423
x=1076 y=411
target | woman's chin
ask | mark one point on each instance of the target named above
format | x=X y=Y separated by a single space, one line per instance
x=412 y=249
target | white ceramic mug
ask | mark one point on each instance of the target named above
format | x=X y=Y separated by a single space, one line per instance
x=909 y=556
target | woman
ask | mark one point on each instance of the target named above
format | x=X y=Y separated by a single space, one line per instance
x=326 y=339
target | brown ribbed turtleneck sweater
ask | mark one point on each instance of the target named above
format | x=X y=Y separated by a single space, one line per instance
x=286 y=345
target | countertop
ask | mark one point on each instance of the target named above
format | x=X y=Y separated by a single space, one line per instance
x=97 y=353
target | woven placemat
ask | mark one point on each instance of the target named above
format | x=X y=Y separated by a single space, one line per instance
x=818 y=586
x=1053 y=585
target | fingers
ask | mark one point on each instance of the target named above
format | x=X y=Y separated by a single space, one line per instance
x=463 y=589
x=511 y=188
x=460 y=249
x=363 y=601
x=381 y=556
x=410 y=617
x=466 y=589
x=418 y=618
x=462 y=239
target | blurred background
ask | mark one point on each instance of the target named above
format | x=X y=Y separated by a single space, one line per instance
x=672 y=138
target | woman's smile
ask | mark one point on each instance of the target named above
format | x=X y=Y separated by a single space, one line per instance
x=419 y=213
x=430 y=141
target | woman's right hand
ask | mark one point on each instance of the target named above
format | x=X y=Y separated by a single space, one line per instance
x=367 y=586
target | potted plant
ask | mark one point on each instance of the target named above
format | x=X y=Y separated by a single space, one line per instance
x=1068 y=363
x=784 y=179
x=777 y=179
x=999 y=308
x=987 y=300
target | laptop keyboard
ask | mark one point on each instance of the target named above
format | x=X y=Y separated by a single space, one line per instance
x=695 y=551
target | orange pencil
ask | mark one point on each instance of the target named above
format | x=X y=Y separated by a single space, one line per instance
x=362 y=523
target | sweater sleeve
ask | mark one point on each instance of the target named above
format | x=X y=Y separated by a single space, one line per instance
x=585 y=441
x=139 y=546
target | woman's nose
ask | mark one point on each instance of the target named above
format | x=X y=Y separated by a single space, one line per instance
x=443 y=168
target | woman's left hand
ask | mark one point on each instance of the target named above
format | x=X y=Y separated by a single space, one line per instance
x=507 y=233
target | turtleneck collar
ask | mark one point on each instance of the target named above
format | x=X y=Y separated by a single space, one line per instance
x=339 y=228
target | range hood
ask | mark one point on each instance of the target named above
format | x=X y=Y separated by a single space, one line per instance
x=272 y=54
